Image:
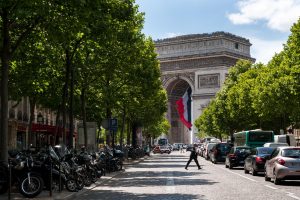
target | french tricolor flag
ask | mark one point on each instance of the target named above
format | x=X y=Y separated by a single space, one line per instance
x=183 y=108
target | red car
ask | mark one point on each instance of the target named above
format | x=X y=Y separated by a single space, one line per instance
x=161 y=149
x=156 y=150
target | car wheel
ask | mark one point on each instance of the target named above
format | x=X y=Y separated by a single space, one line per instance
x=226 y=166
x=266 y=177
x=245 y=170
x=254 y=172
x=277 y=181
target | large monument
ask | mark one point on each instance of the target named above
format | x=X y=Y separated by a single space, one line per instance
x=200 y=63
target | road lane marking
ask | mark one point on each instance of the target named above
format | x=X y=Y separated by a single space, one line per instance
x=292 y=195
x=235 y=173
x=289 y=194
x=170 y=186
x=269 y=186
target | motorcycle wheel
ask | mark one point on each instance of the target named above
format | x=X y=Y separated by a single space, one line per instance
x=119 y=166
x=87 y=181
x=33 y=188
x=71 y=185
x=94 y=176
x=79 y=183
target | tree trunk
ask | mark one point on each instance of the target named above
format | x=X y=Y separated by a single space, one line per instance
x=64 y=99
x=83 y=111
x=123 y=127
x=56 y=126
x=128 y=133
x=134 y=129
x=71 y=114
x=5 y=59
x=109 y=135
x=32 y=103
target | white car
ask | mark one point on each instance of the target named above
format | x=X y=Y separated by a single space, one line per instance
x=274 y=144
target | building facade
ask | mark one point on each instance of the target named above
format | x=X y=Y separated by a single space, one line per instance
x=199 y=62
x=44 y=127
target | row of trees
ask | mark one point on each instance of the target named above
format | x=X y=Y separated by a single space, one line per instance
x=257 y=96
x=86 y=58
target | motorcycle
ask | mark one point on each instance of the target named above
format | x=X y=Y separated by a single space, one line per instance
x=23 y=175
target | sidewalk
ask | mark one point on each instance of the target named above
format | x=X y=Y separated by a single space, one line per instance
x=68 y=195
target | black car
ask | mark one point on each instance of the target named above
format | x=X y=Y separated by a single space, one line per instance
x=190 y=147
x=255 y=162
x=219 y=151
x=236 y=157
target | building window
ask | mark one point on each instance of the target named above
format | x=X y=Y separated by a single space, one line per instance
x=12 y=113
x=25 y=117
x=236 y=45
x=19 y=116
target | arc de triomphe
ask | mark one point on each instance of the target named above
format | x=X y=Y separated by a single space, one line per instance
x=199 y=62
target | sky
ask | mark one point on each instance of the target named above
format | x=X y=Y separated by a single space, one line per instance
x=266 y=23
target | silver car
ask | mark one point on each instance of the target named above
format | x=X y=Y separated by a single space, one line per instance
x=283 y=164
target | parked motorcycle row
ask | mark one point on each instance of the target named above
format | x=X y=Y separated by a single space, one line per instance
x=56 y=168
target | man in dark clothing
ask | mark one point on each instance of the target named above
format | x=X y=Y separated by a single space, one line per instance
x=193 y=156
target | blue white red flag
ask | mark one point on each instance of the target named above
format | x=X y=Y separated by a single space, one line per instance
x=183 y=110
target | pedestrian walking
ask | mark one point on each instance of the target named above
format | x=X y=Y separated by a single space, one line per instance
x=181 y=149
x=193 y=156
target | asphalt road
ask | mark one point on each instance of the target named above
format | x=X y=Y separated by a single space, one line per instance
x=161 y=177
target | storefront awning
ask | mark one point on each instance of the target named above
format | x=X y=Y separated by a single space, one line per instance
x=49 y=129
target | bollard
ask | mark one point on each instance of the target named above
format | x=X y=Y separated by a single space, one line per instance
x=9 y=179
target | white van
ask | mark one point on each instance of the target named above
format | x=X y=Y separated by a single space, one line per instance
x=288 y=138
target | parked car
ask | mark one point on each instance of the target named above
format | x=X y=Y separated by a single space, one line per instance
x=156 y=149
x=255 y=162
x=200 y=149
x=236 y=156
x=189 y=147
x=165 y=149
x=219 y=151
x=283 y=164
x=208 y=147
x=274 y=144
x=176 y=146
x=170 y=147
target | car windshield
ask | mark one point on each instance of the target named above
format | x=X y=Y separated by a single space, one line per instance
x=293 y=153
x=243 y=150
x=224 y=147
x=265 y=150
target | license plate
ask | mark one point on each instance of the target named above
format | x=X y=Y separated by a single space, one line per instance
x=242 y=162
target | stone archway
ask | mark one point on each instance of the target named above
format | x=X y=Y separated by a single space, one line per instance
x=176 y=86
x=201 y=62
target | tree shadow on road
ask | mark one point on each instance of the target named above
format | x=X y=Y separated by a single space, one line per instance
x=116 y=194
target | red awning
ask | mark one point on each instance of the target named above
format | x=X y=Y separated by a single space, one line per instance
x=49 y=129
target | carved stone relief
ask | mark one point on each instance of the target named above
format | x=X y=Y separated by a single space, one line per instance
x=190 y=76
x=209 y=81
x=196 y=63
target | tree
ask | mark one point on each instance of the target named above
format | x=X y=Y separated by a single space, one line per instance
x=18 y=20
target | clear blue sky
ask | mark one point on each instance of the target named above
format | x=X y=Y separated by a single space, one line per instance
x=266 y=23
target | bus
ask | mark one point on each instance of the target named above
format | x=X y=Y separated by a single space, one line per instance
x=163 y=142
x=253 y=138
